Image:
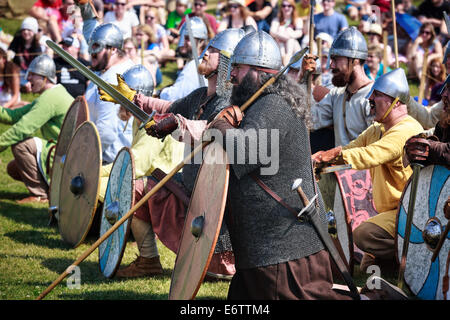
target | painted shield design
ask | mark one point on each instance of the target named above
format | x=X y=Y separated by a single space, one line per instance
x=75 y=116
x=423 y=277
x=202 y=224
x=119 y=198
x=80 y=184
x=352 y=204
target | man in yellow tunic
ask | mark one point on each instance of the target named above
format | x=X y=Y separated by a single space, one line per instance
x=380 y=149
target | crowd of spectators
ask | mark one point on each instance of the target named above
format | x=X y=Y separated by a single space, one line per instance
x=152 y=31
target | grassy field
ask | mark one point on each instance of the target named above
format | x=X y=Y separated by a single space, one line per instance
x=32 y=254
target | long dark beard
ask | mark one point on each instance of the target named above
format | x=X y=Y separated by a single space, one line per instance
x=242 y=92
x=341 y=79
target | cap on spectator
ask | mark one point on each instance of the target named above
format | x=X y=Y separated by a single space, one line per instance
x=240 y=2
x=375 y=28
x=325 y=37
x=71 y=41
x=30 y=23
x=183 y=2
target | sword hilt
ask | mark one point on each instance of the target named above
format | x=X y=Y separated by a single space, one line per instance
x=147 y=123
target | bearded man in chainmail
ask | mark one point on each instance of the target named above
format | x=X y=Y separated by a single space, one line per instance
x=185 y=119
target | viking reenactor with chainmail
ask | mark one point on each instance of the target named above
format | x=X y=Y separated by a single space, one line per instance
x=380 y=149
x=164 y=213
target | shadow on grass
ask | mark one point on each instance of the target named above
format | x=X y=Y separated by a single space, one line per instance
x=114 y=295
x=35 y=215
x=38 y=238
x=11 y=195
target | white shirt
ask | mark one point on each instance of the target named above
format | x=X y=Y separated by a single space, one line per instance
x=330 y=112
x=128 y=21
x=104 y=115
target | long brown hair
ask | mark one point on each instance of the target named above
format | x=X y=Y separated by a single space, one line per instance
x=433 y=33
x=432 y=80
x=293 y=16
x=10 y=70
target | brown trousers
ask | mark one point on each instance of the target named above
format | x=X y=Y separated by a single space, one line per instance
x=25 y=168
x=375 y=240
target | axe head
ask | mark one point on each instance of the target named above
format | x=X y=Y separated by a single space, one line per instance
x=297 y=183
x=309 y=208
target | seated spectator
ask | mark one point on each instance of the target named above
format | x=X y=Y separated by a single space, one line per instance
x=48 y=12
x=303 y=7
x=237 y=16
x=26 y=46
x=161 y=43
x=426 y=40
x=141 y=6
x=287 y=29
x=126 y=20
x=199 y=10
x=329 y=21
x=263 y=13
x=374 y=67
x=434 y=81
x=432 y=11
x=375 y=36
x=9 y=83
x=174 y=20
x=150 y=62
x=353 y=8
x=73 y=80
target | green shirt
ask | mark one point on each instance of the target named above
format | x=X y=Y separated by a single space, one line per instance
x=174 y=19
x=45 y=113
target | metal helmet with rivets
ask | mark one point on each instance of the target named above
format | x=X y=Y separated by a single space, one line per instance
x=393 y=84
x=349 y=43
x=140 y=79
x=258 y=49
x=44 y=66
x=226 y=40
x=198 y=27
x=105 y=35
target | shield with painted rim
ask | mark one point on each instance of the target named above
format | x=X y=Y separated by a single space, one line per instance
x=423 y=277
x=351 y=204
x=202 y=225
x=119 y=198
x=80 y=182
x=75 y=116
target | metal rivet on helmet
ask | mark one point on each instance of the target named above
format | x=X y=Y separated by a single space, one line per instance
x=258 y=49
x=140 y=79
x=105 y=35
x=44 y=66
x=349 y=43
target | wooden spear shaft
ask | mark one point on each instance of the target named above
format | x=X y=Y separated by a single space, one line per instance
x=394 y=26
x=423 y=76
x=385 y=52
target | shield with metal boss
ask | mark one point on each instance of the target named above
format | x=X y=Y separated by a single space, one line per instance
x=424 y=277
x=202 y=224
x=75 y=116
x=119 y=198
x=80 y=183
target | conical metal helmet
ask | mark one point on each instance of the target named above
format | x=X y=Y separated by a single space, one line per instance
x=393 y=84
x=105 y=35
x=140 y=79
x=258 y=49
x=349 y=43
x=226 y=40
x=44 y=66
x=199 y=30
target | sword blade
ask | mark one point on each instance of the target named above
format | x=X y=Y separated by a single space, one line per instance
x=130 y=106
x=194 y=48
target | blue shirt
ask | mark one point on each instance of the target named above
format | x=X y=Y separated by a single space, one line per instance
x=330 y=24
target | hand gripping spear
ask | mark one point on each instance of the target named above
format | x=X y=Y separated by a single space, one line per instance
x=158 y=186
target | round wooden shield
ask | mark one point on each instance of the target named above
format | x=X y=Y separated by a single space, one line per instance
x=119 y=198
x=80 y=184
x=202 y=224
x=75 y=116
x=351 y=203
x=423 y=277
